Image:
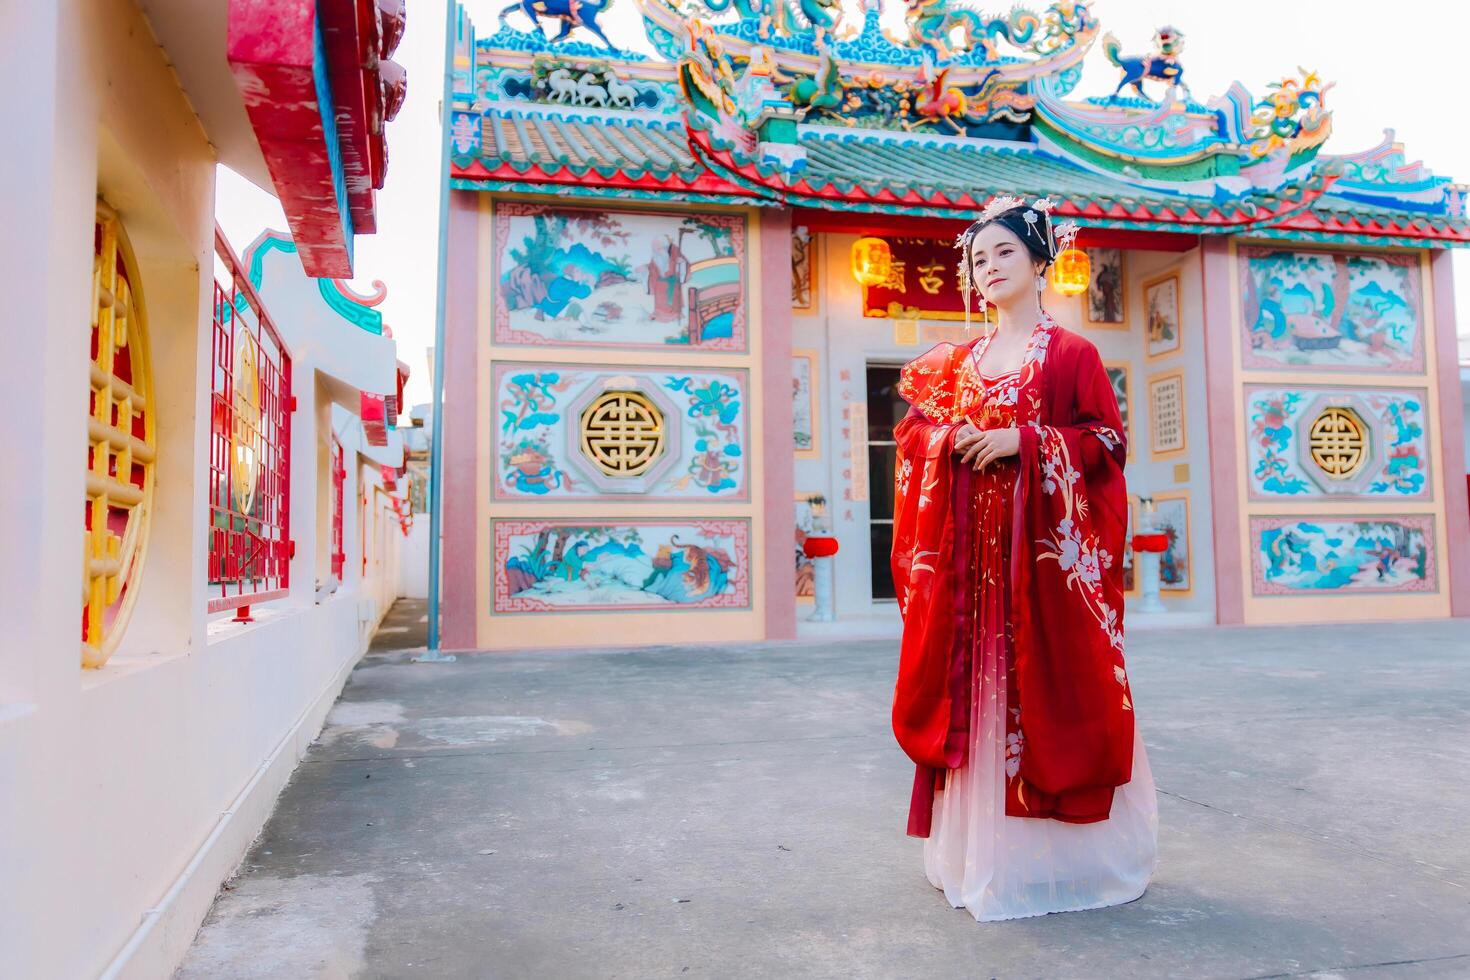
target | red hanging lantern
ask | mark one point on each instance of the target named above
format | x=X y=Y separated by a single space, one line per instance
x=819 y=547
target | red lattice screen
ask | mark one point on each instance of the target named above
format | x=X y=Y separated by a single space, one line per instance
x=249 y=445
x=339 y=481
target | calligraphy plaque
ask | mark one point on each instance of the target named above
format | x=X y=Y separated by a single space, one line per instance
x=1166 y=414
x=921 y=283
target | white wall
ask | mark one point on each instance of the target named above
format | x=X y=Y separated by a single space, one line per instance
x=413 y=566
x=847 y=343
x=129 y=792
x=381 y=542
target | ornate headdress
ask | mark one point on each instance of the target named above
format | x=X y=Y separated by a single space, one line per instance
x=1055 y=239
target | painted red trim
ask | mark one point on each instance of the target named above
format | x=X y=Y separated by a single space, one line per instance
x=706 y=183
x=779 y=458
x=270 y=51
x=913 y=226
x=1307 y=221
x=1451 y=435
x=349 y=30
x=373 y=410
x=1222 y=395
x=460 y=490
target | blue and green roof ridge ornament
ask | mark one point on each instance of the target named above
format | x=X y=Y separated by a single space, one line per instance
x=795 y=103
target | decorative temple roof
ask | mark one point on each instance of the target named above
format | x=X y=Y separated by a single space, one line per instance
x=786 y=106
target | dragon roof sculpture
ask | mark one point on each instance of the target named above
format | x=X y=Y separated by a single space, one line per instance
x=799 y=103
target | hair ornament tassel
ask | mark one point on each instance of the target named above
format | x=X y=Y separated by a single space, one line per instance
x=1058 y=238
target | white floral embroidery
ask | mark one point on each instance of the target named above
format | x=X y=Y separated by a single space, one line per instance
x=1079 y=557
x=905 y=470
x=1108 y=437
x=924 y=492
x=1014 y=744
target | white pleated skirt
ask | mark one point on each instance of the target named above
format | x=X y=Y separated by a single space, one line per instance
x=1001 y=867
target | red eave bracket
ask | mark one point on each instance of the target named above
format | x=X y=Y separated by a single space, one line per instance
x=270 y=51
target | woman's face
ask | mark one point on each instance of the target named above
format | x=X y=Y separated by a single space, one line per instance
x=1004 y=270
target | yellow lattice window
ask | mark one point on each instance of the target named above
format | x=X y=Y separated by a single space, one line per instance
x=120 y=443
x=622 y=433
x=1338 y=442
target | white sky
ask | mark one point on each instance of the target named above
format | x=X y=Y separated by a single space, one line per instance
x=1397 y=66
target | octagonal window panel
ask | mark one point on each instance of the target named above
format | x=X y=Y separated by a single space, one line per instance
x=573 y=432
x=1305 y=442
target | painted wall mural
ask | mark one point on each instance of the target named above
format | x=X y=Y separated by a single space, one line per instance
x=1295 y=556
x=1107 y=296
x=804 y=411
x=803 y=271
x=809 y=508
x=538 y=446
x=1279 y=442
x=1163 y=326
x=1171 y=517
x=1120 y=374
x=575 y=276
x=580 y=566
x=1331 y=310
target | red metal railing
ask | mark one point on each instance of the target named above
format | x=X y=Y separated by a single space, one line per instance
x=339 y=481
x=249 y=445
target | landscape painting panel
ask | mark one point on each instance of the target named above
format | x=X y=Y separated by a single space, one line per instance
x=1331 y=555
x=1329 y=310
x=643 y=279
x=551 y=566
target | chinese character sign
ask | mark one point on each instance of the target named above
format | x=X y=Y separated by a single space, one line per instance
x=922 y=283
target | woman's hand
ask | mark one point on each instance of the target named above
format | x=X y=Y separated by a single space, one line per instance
x=965 y=436
x=985 y=446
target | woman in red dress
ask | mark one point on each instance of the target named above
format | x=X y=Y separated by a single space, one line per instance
x=1032 y=787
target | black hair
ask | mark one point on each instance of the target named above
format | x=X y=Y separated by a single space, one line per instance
x=1033 y=236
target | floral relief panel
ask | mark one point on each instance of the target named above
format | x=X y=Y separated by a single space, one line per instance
x=576 y=276
x=582 y=565
x=1279 y=442
x=538 y=451
x=1344 y=311
x=1293 y=555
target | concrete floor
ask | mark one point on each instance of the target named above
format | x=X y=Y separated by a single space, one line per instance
x=739 y=812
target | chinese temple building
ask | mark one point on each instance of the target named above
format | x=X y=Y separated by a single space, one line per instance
x=671 y=331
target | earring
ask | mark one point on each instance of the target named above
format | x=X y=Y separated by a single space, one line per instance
x=1040 y=284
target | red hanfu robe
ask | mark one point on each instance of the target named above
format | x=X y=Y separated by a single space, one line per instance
x=1074 y=727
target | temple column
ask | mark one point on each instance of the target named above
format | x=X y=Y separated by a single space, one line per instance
x=779 y=463
x=1221 y=393
x=1451 y=433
